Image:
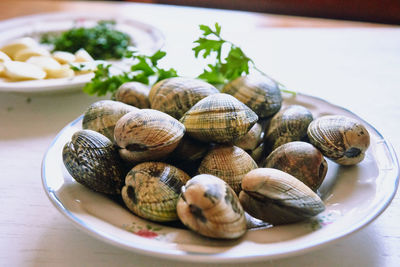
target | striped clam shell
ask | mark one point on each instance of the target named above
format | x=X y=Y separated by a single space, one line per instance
x=152 y=189
x=230 y=163
x=341 y=139
x=209 y=207
x=219 y=118
x=92 y=160
x=102 y=116
x=300 y=159
x=252 y=138
x=260 y=93
x=277 y=197
x=133 y=93
x=289 y=124
x=177 y=95
x=147 y=134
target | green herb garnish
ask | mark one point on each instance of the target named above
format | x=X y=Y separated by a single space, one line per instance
x=235 y=64
x=144 y=70
x=102 y=41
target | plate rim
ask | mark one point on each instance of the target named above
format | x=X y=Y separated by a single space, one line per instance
x=63 y=84
x=185 y=256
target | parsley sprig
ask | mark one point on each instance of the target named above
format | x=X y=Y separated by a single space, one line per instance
x=144 y=69
x=235 y=64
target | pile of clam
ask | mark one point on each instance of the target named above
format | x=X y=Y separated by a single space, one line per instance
x=184 y=150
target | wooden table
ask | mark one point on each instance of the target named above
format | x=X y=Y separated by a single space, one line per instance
x=354 y=65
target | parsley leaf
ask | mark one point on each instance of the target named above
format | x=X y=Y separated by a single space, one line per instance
x=144 y=69
x=234 y=65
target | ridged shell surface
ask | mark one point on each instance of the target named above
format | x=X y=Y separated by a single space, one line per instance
x=152 y=189
x=177 y=95
x=251 y=139
x=219 y=118
x=300 y=159
x=277 y=197
x=340 y=138
x=102 y=116
x=209 y=207
x=93 y=161
x=289 y=124
x=260 y=93
x=230 y=163
x=147 y=134
x=133 y=93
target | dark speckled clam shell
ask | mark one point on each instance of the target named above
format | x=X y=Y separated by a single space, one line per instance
x=93 y=161
x=152 y=190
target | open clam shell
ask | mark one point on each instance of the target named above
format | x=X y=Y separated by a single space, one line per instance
x=277 y=197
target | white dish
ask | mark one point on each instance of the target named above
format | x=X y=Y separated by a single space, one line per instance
x=354 y=196
x=145 y=37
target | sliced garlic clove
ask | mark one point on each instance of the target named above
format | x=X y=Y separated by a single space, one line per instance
x=64 y=71
x=18 y=44
x=4 y=57
x=26 y=53
x=63 y=57
x=82 y=56
x=23 y=71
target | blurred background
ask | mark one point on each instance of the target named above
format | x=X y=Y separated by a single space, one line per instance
x=381 y=11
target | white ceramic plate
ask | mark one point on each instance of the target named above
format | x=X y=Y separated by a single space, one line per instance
x=145 y=37
x=354 y=196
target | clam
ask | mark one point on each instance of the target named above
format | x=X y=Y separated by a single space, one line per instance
x=92 y=160
x=260 y=93
x=177 y=95
x=229 y=163
x=211 y=208
x=289 y=124
x=133 y=93
x=102 y=116
x=218 y=118
x=147 y=134
x=252 y=138
x=300 y=159
x=152 y=189
x=277 y=197
x=341 y=139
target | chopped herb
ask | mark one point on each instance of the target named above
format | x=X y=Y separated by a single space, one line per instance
x=102 y=41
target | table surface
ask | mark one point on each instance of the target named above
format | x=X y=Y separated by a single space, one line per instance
x=354 y=65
